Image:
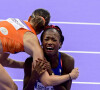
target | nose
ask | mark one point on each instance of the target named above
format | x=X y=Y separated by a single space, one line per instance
x=50 y=42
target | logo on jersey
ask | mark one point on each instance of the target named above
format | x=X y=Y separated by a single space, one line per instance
x=3 y=30
x=41 y=87
x=60 y=71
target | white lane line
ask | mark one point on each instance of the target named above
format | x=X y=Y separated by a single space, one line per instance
x=88 y=52
x=97 y=83
x=79 y=23
x=18 y=80
x=21 y=80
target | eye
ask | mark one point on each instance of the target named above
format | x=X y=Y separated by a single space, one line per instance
x=54 y=40
x=46 y=39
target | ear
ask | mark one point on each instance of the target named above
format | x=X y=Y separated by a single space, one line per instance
x=29 y=18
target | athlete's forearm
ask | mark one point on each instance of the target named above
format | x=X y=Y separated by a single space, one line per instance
x=53 y=80
x=7 y=62
x=3 y=57
x=12 y=63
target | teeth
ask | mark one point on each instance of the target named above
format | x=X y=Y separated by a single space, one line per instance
x=50 y=48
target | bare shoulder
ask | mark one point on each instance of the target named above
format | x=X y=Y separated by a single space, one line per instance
x=29 y=36
x=67 y=62
x=66 y=57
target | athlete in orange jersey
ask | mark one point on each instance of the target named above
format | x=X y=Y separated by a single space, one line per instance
x=17 y=36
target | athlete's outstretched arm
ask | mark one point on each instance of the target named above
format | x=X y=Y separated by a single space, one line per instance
x=7 y=62
x=13 y=63
x=3 y=57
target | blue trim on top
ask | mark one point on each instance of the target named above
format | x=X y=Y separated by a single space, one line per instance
x=58 y=70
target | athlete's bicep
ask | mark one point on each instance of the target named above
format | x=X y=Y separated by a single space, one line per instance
x=30 y=42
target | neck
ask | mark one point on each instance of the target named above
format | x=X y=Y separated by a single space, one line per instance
x=53 y=60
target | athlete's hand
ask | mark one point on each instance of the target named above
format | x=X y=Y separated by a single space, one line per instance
x=48 y=66
x=74 y=74
x=40 y=67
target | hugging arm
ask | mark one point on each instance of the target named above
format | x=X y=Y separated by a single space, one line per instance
x=30 y=78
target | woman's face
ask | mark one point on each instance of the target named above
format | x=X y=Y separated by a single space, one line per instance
x=51 y=42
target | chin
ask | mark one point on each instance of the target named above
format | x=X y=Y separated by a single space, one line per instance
x=49 y=53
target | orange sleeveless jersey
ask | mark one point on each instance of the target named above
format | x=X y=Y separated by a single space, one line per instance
x=12 y=39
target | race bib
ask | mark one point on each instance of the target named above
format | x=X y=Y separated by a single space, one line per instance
x=41 y=87
x=17 y=23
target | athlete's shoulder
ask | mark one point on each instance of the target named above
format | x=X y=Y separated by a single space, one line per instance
x=67 y=62
x=66 y=56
